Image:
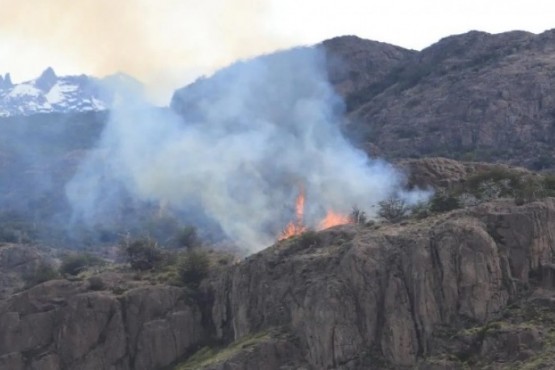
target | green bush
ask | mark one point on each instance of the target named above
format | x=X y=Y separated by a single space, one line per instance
x=193 y=267
x=309 y=238
x=73 y=264
x=444 y=203
x=420 y=210
x=493 y=183
x=187 y=237
x=96 y=283
x=549 y=183
x=142 y=254
x=43 y=272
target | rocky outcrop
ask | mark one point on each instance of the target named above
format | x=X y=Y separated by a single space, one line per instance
x=16 y=263
x=441 y=173
x=355 y=63
x=361 y=295
x=64 y=325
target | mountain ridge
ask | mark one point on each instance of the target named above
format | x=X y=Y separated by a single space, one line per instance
x=50 y=93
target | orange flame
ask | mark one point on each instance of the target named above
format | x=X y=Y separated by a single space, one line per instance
x=295 y=227
x=333 y=219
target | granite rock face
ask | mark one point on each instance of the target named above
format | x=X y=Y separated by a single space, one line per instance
x=358 y=293
x=63 y=325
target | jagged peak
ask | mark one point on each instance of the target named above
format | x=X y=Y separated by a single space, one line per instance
x=47 y=79
x=48 y=73
x=6 y=81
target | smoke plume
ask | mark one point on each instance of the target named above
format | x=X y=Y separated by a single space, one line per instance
x=160 y=43
x=235 y=150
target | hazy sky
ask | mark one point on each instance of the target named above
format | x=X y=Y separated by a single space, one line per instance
x=166 y=43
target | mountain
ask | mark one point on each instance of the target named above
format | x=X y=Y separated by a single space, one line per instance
x=466 y=282
x=475 y=96
x=50 y=93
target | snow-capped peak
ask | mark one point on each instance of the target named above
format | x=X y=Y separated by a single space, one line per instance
x=51 y=93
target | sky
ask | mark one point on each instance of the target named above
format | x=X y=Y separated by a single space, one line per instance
x=168 y=43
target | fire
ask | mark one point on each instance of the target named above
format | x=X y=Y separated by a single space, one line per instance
x=297 y=226
x=333 y=219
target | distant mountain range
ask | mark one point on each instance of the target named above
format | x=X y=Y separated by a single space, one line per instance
x=50 y=93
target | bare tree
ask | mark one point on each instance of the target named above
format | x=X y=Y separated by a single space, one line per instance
x=393 y=209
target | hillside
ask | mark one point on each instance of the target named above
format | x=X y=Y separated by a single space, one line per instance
x=475 y=96
x=465 y=289
x=464 y=279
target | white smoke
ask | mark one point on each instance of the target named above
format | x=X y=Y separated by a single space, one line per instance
x=237 y=151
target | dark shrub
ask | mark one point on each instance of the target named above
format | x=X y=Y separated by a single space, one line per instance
x=549 y=183
x=188 y=238
x=193 y=267
x=142 y=254
x=309 y=238
x=75 y=263
x=392 y=209
x=494 y=183
x=43 y=272
x=444 y=203
x=358 y=216
x=96 y=283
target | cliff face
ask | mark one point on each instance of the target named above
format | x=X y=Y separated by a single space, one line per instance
x=352 y=297
x=65 y=325
x=358 y=293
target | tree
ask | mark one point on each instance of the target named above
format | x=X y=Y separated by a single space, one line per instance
x=392 y=209
x=193 y=267
x=188 y=238
x=358 y=216
x=142 y=254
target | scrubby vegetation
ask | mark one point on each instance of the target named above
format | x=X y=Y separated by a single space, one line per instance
x=309 y=238
x=75 y=263
x=193 y=267
x=142 y=254
x=358 y=216
x=43 y=272
x=494 y=183
x=188 y=238
x=393 y=209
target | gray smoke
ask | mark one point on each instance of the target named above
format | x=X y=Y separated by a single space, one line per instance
x=235 y=150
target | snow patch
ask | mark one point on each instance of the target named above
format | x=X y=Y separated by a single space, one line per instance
x=24 y=90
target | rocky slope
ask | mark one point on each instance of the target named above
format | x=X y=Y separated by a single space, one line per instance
x=443 y=292
x=112 y=322
x=475 y=96
x=359 y=298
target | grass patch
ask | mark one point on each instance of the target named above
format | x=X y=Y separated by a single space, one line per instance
x=210 y=356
